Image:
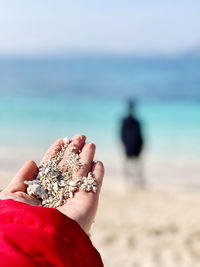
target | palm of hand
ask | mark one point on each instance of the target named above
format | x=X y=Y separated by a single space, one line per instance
x=82 y=208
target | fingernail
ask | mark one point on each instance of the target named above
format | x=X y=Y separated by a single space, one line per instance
x=66 y=140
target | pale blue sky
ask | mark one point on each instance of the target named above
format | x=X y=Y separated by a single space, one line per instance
x=117 y=26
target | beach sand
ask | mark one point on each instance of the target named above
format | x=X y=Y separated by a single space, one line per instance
x=157 y=226
x=148 y=227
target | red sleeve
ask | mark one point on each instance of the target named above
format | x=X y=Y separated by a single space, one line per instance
x=38 y=236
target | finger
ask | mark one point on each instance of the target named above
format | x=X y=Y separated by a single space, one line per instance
x=53 y=150
x=98 y=174
x=82 y=208
x=78 y=141
x=28 y=172
x=97 y=169
x=86 y=159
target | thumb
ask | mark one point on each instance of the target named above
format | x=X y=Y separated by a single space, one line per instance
x=27 y=172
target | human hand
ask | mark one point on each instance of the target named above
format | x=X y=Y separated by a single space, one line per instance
x=82 y=208
x=16 y=189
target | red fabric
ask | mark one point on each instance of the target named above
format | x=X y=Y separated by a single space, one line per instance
x=38 y=236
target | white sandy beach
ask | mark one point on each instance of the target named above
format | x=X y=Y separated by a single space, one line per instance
x=147 y=228
x=156 y=226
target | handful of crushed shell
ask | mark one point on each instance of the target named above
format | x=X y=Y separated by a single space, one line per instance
x=53 y=186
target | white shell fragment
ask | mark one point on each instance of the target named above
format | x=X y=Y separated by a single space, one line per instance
x=71 y=194
x=36 y=190
x=66 y=140
x=89 y=183
x=53 y=185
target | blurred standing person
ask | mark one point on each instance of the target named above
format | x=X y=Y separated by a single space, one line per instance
x=132 y=140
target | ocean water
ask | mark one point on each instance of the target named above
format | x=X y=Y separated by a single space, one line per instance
x=43 y=99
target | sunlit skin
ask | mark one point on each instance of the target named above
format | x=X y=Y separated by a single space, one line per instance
x=82 y=208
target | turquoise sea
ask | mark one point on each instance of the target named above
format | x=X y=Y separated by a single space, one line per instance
x=42 y=99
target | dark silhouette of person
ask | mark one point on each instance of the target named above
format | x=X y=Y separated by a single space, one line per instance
x=132 y=139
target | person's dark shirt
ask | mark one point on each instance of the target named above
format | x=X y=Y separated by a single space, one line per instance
x=131 y=136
